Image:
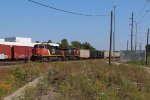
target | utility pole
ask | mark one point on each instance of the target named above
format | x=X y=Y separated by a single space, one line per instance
x=132 y=32
x=127 y=45
x=147 y=46
x=114 y=18
x=136 y=37
x=110 y=47
x=140 y=46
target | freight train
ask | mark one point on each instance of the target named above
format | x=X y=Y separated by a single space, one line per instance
x=46 y=52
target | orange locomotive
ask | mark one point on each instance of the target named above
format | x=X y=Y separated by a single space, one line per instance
x=46 y=52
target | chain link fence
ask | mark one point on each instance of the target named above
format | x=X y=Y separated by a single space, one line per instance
x=138 y=55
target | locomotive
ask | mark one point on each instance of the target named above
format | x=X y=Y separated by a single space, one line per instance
x=46 y=52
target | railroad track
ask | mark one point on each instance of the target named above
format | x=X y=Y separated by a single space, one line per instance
x=9 y=63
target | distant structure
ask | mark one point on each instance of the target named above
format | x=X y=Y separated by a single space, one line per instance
x=21 y=41
x=52 y=44
x=18 y=39
x=2 y=40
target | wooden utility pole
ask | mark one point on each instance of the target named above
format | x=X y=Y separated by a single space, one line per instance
x=136 y=38
x=132 y=32
x=147 y=46
x=114 y=31
x=110 y=47
x=127 y=45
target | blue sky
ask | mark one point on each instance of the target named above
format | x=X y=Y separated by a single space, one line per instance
x=25 y=19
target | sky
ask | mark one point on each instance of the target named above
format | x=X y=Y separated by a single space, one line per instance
x=21 y=18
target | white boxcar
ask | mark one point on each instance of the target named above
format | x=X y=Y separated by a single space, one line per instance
x=106 y=54
x=84 y=53
x=117 y=54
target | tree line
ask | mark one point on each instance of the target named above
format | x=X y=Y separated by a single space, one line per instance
x=74 y=44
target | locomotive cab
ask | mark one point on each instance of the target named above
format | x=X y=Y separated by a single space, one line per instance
x=46 y=52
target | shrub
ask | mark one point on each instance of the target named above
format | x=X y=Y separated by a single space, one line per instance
x=20 y=75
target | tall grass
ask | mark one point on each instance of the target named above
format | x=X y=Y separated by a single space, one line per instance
x=83 y=80
x=14 y=77
x=96 y=80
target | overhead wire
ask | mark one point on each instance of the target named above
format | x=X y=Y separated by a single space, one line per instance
x=142 y=17
x=66 y=11
x=143 y=8
x=141 y=11
x=146 y=19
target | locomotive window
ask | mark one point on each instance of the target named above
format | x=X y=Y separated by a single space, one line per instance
x=58 y=48
x=35 y=46
x=41 y=46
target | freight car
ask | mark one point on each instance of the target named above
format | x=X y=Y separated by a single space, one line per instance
x=96 y=54
x=84 y=54
x=5 y=52
x=91 y=54
x=21 y=52
x=14 y=52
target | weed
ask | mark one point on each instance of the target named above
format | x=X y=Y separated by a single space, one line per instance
x=20 y=75
x=90 y=80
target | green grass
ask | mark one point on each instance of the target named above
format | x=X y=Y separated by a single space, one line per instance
x=96 y=80
x=143 y=63
x=83 y=80
x=12 y=78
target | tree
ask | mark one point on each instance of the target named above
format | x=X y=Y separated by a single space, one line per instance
x=76 y=44
x=88 y=46
x=37 y=41
x=49 y=41
x=64 y=43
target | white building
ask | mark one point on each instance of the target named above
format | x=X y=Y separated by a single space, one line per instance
x=18 y=39
x=2 y=40
x=21 y=41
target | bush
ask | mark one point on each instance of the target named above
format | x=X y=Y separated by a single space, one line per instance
x=21 y=76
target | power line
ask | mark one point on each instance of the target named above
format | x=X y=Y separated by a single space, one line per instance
x=146 y=19
x=143 y=8
x=118 y=39
x=143 y=17
x=65 y=11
